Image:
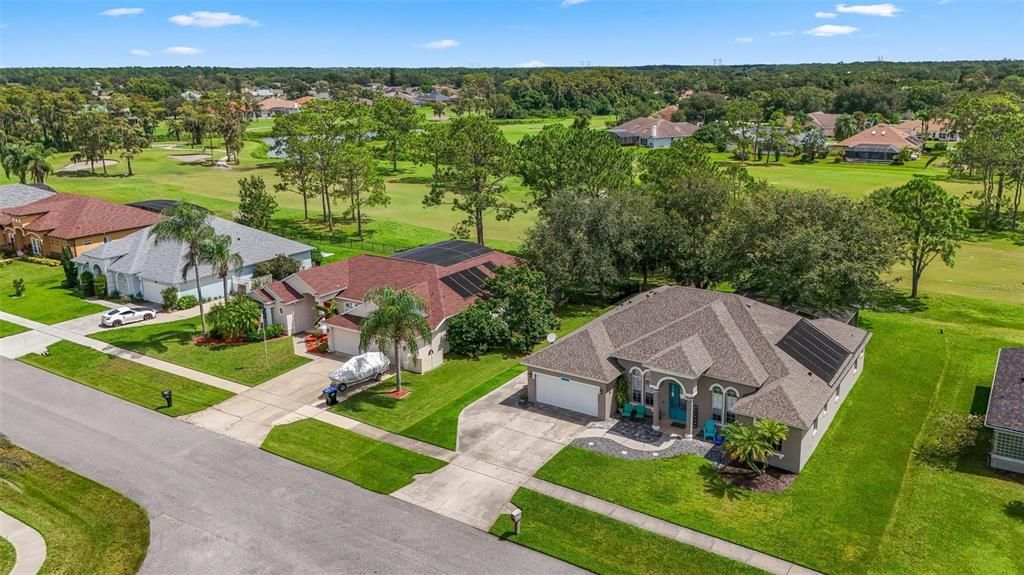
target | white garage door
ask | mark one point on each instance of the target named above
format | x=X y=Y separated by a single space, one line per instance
x=579 y=397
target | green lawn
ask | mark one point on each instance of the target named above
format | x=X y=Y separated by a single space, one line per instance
x=130 y=381
x=172 y=342
x=369 y=463
x=603 y=545
x=431 y=412
x=7 y=556
x=88 y=528
x=44 y=300
x=862 y=504
x=8 y=328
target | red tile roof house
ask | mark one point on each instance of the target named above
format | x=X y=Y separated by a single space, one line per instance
x=276 y=106
x=693 y=359
x=446 y=275
x=81 y=223
x=879 y=143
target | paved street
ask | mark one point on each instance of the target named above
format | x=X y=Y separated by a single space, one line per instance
x=217 y=505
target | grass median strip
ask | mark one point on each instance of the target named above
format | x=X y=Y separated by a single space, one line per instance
x=243 y=363
x=88 y=528
x=604 y=545
x=8 y=328
x=368 y=463
x=130 y=381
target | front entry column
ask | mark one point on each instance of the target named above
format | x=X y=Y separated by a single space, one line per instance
x=656 y=408
x=689 y=417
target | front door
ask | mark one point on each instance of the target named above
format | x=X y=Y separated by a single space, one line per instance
x=676 y=407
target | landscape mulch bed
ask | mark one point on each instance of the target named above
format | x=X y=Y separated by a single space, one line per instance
x=771 y=481
x=399 y=393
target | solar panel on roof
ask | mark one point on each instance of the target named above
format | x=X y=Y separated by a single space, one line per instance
x=444 y=254
x=491 y=266
x=820 y=354
x=468 y=282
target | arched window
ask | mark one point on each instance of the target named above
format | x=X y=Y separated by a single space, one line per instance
x=731 y=395
x=636 y=386
x=717 y=404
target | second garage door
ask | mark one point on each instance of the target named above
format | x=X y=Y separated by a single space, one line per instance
x=567 y=394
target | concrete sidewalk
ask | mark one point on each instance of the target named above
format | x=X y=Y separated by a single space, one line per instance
x=24 y=344
x=29 y=545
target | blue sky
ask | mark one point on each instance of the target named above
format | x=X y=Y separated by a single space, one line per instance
x=417 y=33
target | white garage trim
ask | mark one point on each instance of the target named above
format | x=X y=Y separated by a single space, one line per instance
x=567 y=394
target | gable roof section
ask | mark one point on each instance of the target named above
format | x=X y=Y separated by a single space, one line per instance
x=70 y=216
x=692 y=332
x=1006 y=402
x=139 y=254
x=826 y=122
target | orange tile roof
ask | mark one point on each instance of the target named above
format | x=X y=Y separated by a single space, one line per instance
x=70 y=216
x=882 y=134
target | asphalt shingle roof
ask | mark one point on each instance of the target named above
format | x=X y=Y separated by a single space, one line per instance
x=693 y=332
x=15 y=195
x=139 y=254
x=1006 y=402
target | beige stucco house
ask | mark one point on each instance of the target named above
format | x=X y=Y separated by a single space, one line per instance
x=690 y=356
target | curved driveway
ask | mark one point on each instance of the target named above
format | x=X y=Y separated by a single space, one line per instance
x=219 y=506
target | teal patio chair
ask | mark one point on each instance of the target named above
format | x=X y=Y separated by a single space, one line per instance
x=627 y=410
x=710 y=431
x=640 y=412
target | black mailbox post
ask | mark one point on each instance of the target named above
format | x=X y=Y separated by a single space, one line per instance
x=168 y=396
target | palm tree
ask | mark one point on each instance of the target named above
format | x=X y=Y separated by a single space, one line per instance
x=216 y=252
x=36 y=163
x=846 y=126
x=189 y=224
x=754 y=444
x=13 y=159
x=400 y=318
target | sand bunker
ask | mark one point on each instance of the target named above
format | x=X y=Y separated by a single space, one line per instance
x=191 y=158
x=87 y=166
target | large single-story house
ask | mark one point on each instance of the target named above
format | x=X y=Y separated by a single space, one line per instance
x=879 y=143
x=276 y=107
x=447 y=275
x=938 y=129
x=82 y=223
x=136 y=265
x=1005 y=414
x=651 y=132
x=690 y=356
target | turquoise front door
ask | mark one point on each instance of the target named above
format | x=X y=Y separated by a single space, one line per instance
x=676 y=407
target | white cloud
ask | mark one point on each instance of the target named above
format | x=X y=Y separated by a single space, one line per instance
x=944 y=2
x=182 y=50
x=122 y=12
x=783 y=33
x=831 y=30
x=568 y=3
x=887 y=10
x=744 y=40
x=532 y=64
x=441 y=44
x=824 y=14
x=138 y=52
x=204 y=19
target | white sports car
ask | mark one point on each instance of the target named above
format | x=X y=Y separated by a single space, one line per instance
x=123 y=315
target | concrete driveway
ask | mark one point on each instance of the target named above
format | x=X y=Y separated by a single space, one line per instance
x=500 y=446
x=221 y=507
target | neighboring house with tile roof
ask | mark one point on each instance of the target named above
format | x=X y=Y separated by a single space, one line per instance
x=1005 y=415
x=879 y=143
x=82 y=223
x=690 y=356
x=651 y=132
x=446 y=275
x=136 y=265
x=823 y=121
x=276 y=107
x=937 y=129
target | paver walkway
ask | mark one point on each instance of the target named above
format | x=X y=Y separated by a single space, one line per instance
x=29 y=545
x=714 y=545
x=23 y=343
